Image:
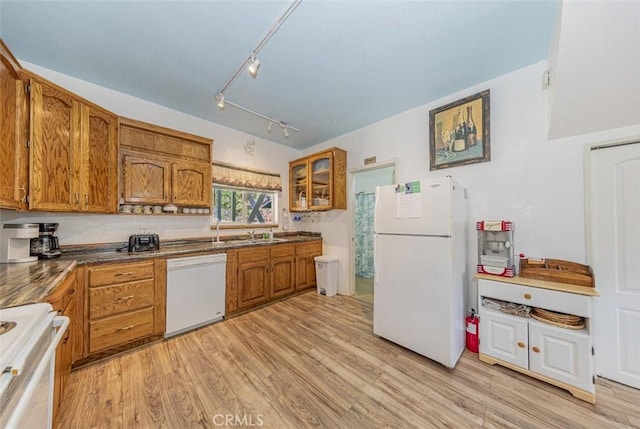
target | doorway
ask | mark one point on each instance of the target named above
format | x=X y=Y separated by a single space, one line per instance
x=363 y=187
x=614 y=210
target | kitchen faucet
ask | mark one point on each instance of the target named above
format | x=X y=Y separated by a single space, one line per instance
x=252 y=234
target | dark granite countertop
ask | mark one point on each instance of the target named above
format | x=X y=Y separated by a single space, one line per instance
x=32 y=282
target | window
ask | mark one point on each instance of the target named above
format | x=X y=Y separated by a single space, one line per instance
x=245 y=207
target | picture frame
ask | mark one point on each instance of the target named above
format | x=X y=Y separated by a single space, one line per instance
x=459 y=132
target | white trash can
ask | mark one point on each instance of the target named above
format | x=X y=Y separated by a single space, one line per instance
x=327 y=274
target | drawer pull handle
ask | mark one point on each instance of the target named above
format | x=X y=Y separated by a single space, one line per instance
x=128 y=273
x=521 y=344
x=535 y=349
x=126 y=328
x=527 y=296
x=125 y=298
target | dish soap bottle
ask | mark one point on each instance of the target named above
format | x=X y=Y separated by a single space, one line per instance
x=270 y=233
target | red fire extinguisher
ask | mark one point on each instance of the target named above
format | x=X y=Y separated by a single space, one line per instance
x=472 y=331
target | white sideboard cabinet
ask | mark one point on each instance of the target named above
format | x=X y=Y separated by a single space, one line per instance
x=559 y=356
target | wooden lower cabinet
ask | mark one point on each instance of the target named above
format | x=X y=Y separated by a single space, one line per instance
x=264 y=273
x=282 y=278
x=63 y=300
x=253 y=277
x=125 y=305
x=305 y=264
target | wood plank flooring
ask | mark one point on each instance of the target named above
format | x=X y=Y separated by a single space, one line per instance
x=313 y=361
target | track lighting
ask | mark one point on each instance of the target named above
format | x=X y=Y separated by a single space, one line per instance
x=253 y=67
x=220 y=100
x=252 y=64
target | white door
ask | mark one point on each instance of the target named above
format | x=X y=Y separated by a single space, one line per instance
x=561 y=354
x=504 y=337
x=615 y=258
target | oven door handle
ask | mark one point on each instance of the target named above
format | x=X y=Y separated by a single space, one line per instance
x=60 y=322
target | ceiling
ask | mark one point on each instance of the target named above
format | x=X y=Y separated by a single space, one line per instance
x=332 y=67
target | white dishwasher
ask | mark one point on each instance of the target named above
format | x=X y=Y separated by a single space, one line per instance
x=195 y=292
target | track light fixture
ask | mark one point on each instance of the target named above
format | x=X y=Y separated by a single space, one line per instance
x=252 y=64
x=220 y=100
x=253 y=67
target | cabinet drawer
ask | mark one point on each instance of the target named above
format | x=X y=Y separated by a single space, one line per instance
x=563 y=302
x=120 y=329
x=109 y=300
x=314 y=248
x=283 y=251
x=110 y=274
x=253 y=254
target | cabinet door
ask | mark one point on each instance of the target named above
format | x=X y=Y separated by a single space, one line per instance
x=504 y=337
x=561 y=354
x=98 y=178
x=191 y=184
x=63 y=299
x=282 y=276
x=13 y=161
x=298 y=192
x=302 y=275
x=55 y=149
x=253 y=286
x=321 y=188
x=145 y=179
x=253 y=277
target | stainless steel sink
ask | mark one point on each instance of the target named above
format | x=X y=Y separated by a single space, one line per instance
x=256 y=241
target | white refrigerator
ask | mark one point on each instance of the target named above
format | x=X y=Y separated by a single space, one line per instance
x=420 y=276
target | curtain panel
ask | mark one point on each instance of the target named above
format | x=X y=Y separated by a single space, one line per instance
x=245 y=177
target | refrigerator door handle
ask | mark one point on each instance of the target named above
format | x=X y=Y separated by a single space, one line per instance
x=376 y=265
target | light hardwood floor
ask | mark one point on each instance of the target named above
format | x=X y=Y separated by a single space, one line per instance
x=313 y=361
x=364 y=288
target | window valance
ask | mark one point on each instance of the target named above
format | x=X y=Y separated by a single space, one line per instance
x=245 y=177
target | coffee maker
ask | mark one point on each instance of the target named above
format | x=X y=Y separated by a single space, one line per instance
x=46 y=246
x=14 y=242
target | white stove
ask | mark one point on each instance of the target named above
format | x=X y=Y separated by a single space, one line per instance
x=28 y=340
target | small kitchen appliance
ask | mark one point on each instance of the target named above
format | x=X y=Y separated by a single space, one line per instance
x=495 y=247
x=15 y=239
x=46 y=246
x=143 y=243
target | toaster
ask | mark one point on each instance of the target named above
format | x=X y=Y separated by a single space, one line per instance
x=143 y=243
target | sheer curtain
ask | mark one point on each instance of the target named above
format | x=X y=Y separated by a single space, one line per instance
x=364 y=234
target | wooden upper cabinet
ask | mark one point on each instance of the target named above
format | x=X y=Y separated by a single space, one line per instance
x=319 y=181
x=13 y=151
x=145 y=179
x=55 y=149
x=73 y=153
x=191 y=185
x=99 y=172
x=161 y=166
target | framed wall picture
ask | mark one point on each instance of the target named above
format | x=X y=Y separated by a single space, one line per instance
x=459 y=132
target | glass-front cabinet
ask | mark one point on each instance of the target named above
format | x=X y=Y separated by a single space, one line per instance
x=298 y=183
x=318 y=181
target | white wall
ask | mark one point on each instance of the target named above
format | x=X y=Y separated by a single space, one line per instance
x=594 y=61
x=227 y=146
x=536 y=183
